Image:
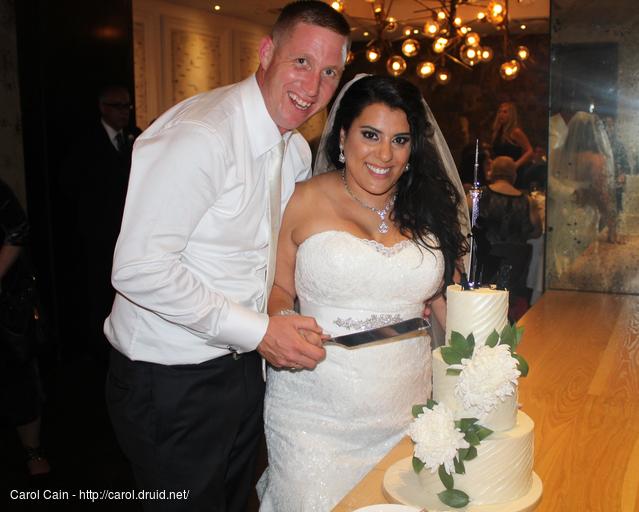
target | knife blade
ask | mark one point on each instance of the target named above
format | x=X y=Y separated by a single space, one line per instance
x=391 y=332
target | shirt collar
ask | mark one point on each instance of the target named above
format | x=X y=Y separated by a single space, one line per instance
x=263 y=132
x=110 y=131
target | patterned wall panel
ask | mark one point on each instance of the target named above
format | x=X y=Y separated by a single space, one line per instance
x=246 y=59
x=196 y=61
x=139 y=67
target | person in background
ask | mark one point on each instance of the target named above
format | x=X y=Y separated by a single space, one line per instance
x=192 y=268
x=20 y=390
x=620 y=157
x=508 y=139
x=508 y=217
x=94 y=184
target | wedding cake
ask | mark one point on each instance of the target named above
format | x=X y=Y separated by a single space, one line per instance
x=472 y=446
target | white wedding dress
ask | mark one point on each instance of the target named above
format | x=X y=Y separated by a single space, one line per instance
x=326 y=428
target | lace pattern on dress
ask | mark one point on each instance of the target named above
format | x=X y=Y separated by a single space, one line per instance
x=386 y=251
x=371 y=322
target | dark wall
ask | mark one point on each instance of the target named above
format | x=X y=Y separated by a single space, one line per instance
x=67 y=50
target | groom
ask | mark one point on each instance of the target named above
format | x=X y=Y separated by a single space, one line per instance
x=184 y=389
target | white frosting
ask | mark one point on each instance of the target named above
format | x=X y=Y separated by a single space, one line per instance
x=502 y=470
x=503 y=417
x=478 y=311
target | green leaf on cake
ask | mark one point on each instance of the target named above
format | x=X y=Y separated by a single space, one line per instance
x=522 y=365
x=450 y=355
x=452 y=372
x=519 y=332
x=446 y=479
x=459 y=465
x=418 y=465
x=493 y=339
x=466 y=423
x=418 y=409
x=470 y=342
x=482 y=432
x=458 y=344
x=508 y=336
x=467 y=453
x=472 y=438
x=454 y=498
x=430 y=403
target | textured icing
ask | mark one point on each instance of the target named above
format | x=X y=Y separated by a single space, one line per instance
x=477 y=311
x=328 y=427
x=502 y=470
x=501 y=418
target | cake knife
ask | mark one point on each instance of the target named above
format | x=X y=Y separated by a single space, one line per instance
x=391 y=332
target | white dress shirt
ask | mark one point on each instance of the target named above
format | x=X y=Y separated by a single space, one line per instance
x=112 y=134
x=190 y=263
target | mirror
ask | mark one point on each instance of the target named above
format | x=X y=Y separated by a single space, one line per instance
x=593 y=177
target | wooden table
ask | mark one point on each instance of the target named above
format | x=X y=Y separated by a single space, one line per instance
x=583 y=395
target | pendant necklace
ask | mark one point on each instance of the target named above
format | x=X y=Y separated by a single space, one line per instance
x=383 y=227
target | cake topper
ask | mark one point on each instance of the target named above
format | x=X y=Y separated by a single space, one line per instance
x=473 y=281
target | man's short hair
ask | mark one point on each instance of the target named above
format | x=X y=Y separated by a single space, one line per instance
x=312 y=12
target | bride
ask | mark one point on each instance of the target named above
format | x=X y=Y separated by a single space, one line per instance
x=580 y=184
x=364 y=245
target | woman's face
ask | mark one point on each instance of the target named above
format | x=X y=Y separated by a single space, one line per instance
x=377 y=148
x=503 y=114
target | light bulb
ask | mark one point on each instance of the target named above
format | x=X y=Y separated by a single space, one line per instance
x=425 y=69
x=457 y=21
x=496 y=12
x=443 y=76
x=408 y=31
x=410 y=47
x=391 y=24
x=441 y=15
x=523 y=53
x=338 y=5
x=469 y=55
x=396 y=65
x=481 y=15
x=440 y=44
x=373 y=54
x=431 y=28
x=486 y=53
x=472 y=39
x=509 y=70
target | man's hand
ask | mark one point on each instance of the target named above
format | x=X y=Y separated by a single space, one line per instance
x=292 y=342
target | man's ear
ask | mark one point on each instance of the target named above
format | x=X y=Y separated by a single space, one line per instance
x=266 y=52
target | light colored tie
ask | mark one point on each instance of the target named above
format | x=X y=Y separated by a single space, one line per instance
x=274 y=169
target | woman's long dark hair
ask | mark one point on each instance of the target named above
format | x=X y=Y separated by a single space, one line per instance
x=427 y=202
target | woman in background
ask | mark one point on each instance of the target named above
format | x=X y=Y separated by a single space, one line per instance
x=581 y=182
x=508 y=139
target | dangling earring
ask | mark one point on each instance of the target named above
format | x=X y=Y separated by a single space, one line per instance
x=407 y=167
x=341 y=156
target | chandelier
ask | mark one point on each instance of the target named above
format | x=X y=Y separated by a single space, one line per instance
x=438 y=36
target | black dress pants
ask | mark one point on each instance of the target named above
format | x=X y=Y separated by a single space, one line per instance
x=189 y=428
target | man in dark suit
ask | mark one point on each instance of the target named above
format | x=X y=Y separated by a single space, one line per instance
x=95 y=183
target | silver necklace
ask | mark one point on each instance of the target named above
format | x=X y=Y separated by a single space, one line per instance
x=383 y=227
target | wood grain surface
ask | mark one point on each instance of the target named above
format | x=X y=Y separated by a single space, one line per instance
x=582 y=392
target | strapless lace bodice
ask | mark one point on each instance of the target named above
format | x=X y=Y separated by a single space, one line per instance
x=328 y=427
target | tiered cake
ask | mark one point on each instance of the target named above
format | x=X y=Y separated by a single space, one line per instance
x=472 y=445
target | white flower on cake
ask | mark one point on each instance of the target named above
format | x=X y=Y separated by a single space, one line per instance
x=436 y=438
x=486 y=379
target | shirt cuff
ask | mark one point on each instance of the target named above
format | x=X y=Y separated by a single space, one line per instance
x=242 y=330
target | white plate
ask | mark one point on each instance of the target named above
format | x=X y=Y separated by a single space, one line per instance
x=387 y=508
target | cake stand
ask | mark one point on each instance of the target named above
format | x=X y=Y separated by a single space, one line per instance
x=402 y=485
